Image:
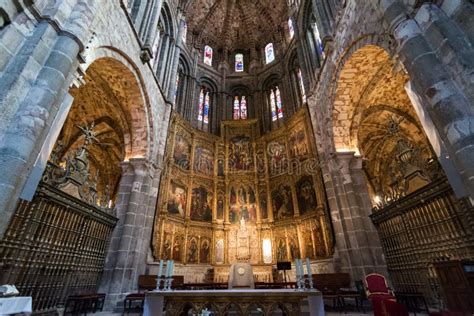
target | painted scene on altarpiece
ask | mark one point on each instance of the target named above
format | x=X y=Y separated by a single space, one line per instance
x=242 y=204
x=177 y=199
x=201 y=204
x=182 y=151
x=204 y=161
x=282 y=202
x=306 y=195
x=241 y=154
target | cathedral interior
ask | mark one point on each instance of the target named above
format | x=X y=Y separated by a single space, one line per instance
x=222 y=132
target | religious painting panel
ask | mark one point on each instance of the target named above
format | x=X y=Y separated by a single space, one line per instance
x=201 y=203
x=241 y=154
x=192 y=251
x=277 y=158
x=167 y=244
x=204 y=161
x=318 y=237
x=205 y=250
x=282 y=202
x=305 y=191
x=177 y=195
x=182 y=150
x=298 y=142
x=242 y=203
x=308 y=245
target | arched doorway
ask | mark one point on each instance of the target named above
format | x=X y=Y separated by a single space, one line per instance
x=414 y=207
x=56 y=245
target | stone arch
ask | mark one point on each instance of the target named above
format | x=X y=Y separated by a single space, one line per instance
x=137 y=105
x=110 y=102
x=365 y=62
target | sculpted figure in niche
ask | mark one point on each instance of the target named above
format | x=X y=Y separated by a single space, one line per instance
x=204 y=251
x=220 y=207
x=177 y=249
x=167 y=248
x=282 y=202
x=281 y=251
x=192 y=251
x=309 y=251
x=294 y=250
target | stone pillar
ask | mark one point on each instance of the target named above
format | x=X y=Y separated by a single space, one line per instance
x=29 y=99
x=174 y=66
x=357 y=243
x=129 y=246
x=449 y=107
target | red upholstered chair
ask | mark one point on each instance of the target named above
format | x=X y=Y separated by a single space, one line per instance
x=383 y=301
x=377 y=287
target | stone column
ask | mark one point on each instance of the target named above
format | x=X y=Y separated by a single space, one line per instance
x=357 y=242
x=174 y=66
x=29 y=99
x=127 y=253
x=448 y=105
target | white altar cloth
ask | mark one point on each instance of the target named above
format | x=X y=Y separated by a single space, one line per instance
x=154 y=301
x=15 y=305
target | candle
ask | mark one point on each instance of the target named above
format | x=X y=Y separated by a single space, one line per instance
x=168 y=267
x=297 y=269
x=172 y=268
x=308 y=267
x=160 y=269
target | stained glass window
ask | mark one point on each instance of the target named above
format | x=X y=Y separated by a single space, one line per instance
x=236 y=108
x=278 y=103
x=273 y=105
x=291 y=28
x=303 y=92
x=207 y=105
x=239 y=62
x=243 y=108
x=184 y=31
x=208 y=55
x=201 y=106
x=319 y=42
x=240 y=108
x=269 y=53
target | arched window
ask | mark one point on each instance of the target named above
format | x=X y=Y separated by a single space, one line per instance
x=301 y=82
x=317 y=39
x=269 y=53
x=208 y=55
x=276 y=104
x=184 y=31
x=291 y=28
x=240 y=108
x=239 y=62
x=204 y=105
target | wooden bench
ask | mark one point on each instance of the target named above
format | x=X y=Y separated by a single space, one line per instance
x=84 y=303
x=337 y=287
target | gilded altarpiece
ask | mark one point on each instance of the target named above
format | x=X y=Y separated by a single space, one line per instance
x=242 y=197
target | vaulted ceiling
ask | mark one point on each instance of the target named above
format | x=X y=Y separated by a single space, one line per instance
x=237 y=24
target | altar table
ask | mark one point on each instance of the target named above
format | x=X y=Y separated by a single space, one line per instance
x=243 y=299
x=15 y=305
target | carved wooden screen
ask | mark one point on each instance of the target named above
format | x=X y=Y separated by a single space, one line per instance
x=55 y=246
x=420 y=229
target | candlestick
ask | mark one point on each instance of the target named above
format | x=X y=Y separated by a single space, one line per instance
x=168 y=267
